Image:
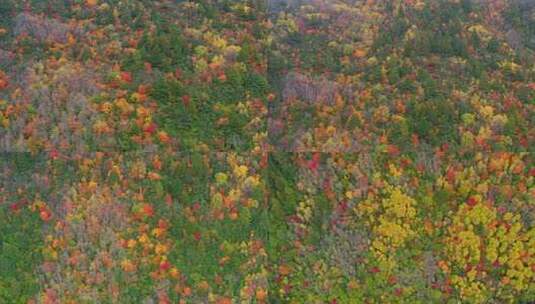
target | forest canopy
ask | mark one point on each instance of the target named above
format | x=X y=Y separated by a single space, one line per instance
x=267 y=151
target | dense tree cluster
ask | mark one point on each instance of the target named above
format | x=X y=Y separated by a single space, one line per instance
x=279 y=151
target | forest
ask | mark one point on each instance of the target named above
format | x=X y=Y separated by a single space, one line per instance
x=267 y=151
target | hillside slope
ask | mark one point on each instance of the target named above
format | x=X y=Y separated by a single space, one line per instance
x=267 y=151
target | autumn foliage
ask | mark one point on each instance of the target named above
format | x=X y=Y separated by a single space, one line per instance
x=277 y=151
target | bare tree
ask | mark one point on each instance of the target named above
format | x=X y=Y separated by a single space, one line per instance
x=43 y=29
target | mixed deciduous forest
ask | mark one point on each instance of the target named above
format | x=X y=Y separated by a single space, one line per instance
x=267 y=151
